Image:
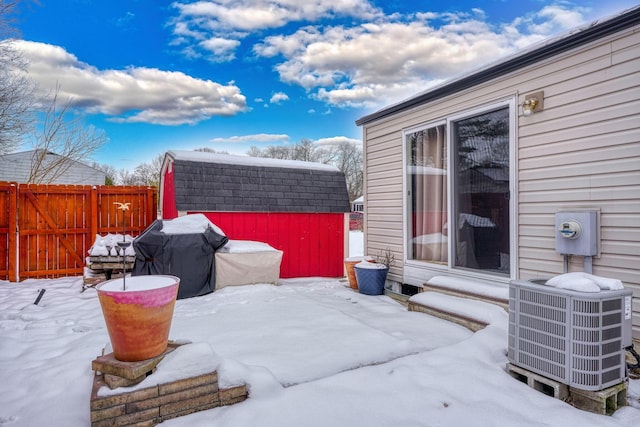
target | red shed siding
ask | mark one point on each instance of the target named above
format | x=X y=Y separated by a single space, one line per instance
x=168 y=194
x=313 y=243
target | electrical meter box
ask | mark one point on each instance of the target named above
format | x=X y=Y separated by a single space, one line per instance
x=577 y=233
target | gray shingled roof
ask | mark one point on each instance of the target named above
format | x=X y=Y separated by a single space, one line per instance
x=213 y=182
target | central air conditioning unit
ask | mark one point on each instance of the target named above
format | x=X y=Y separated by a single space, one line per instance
x=576 y=338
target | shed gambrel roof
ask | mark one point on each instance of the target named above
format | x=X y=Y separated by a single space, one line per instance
x=226 y=183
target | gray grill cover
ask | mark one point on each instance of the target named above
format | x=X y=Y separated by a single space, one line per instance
x=191 y=257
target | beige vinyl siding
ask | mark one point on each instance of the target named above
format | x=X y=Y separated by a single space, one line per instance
x=383 y=200
x=582 y=151
x=17 y=167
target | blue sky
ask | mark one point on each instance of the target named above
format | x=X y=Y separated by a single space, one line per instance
x=230 y=74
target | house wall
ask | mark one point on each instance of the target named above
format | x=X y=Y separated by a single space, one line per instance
x=581 y=151
x=17 y=167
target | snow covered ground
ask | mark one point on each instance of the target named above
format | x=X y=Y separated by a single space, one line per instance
x=312 y=351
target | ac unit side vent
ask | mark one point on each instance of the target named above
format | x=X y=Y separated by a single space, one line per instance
x=582 y=321
x=610 y=319
x=544 y=299
x=573 y=337
x=588 y=365
x=612 y=333
x=611 y=362
x=543 y=312
x=543 y=367
x=542 y=352
x=580 y=306
x=586 y=350
x=541 y=324
x=542 y=338
x=611 y=376
x=611 y=305
x=611 y=347
x=586 y=335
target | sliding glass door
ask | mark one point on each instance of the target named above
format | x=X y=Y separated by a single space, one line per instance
x=458 y=181
x=481 y=191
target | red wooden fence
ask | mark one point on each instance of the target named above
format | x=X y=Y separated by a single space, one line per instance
x=47 y=230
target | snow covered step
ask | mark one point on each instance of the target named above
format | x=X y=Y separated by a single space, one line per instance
x=470 y=313
x=497 y=294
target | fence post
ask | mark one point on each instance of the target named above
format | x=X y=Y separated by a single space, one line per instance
x=152 y=207
x=12 y=265
x=94 y=212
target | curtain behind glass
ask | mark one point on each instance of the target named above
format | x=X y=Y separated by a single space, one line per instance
x=428 y=176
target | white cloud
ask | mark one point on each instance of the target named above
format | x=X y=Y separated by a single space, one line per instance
x=125 y=20
x=375 y=60
x=238 y=18
x=253 y=15
x=279 y=97
x=379 y=62
x=133 y=94
x=554 y=18
x=261 y=137
x=222 y=50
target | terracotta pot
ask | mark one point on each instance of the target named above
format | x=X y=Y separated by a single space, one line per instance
x=351 y=274
x=139 y=318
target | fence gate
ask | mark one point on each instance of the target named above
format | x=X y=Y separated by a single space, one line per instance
x=57 y=224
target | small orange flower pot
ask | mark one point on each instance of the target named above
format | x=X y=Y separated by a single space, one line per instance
x=139 y=318
x=351 y=274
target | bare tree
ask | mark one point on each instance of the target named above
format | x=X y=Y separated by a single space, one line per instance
x=306 y=151
x=211 y=150
x=16 y=89
x=125 y=177
x=346 y=156
x=65 y=135
x=149 y=173
x=112 y=172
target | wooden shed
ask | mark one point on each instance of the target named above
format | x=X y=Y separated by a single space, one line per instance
x=479 y=169
x=298 y=207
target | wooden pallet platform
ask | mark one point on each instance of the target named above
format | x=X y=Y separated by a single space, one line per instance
x=538 y=382
x=603 y=402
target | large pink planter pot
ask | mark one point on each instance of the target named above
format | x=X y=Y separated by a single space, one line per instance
x=139 y=318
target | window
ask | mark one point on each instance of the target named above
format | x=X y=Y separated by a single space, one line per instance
x=458 y=192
